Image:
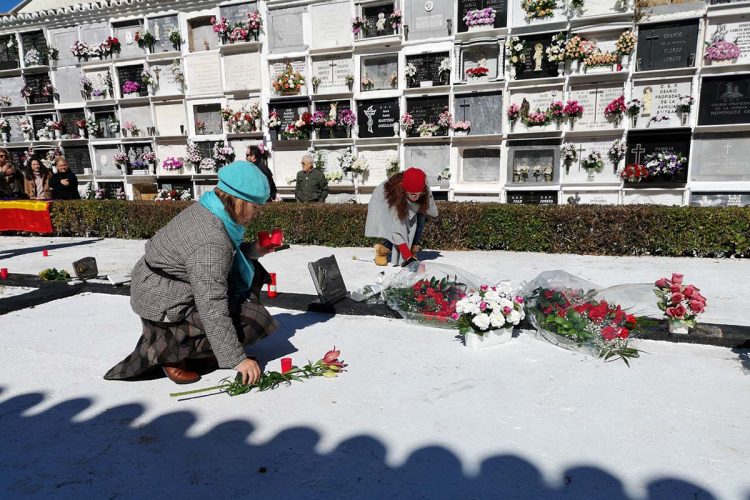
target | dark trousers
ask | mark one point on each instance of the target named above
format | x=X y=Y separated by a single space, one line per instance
x=421 y=220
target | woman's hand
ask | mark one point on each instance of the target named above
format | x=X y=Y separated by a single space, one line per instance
x=261 y=251
x=250 y=371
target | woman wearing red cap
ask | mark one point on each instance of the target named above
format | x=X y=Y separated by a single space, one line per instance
x=397 y=213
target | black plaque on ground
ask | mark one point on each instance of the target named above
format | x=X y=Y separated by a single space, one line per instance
x=532 y=197
x=35 y=40
x=78 y=158
x=133 y=74
x=325 y=107
x=725 y=100
x=642 y=144
x=427 y=66
x=327 y=278
x=500 y=6
x=36 y=82
x=372 y=14
x=426 y=109
x=536 y=64
x=376 y=118
x=9 y=58
x=667 y=45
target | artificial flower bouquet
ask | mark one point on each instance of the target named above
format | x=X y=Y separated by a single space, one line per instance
x=427 y=292
x=577 y=315
x=480 y=17
x=681 y=303
x=486 y=317
x=289 y=81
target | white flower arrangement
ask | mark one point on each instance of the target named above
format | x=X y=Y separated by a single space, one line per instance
x=445 y=175
x=32 y=58
x=336 y=176
x=345 y=161
x=445 y=65
x=556 y=50
x=359 y=166
x=490 y=308
x=410 y=71
x=515 y=49
x=569 y=152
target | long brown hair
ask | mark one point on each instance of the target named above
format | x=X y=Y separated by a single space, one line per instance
x=43 y=170
x=395 y=196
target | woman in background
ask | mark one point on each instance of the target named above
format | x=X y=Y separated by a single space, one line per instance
x=36 y=181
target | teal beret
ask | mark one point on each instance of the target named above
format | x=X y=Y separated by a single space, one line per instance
x=245 y=181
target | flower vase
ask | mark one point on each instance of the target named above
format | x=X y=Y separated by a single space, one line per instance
x=490 y=338
x=590 y=176
x=425 y=134
x=561 y=69
x=571 y=123
x=516 y=177
x=512 y=126
x=512 y=72
x=460 y=132
x=547 y=177
x=348 y=132
x=574 y=66
x=5 y=136
x=81 y=132
x=558 y=124
x=684 y=118
x=27 y=136
x=58 y=134
x=633 y=120
x=258 y=124
x=678 y=327
x=616 y=121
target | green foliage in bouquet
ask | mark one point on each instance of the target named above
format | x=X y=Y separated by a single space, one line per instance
x=431 y=300
x=54 y=275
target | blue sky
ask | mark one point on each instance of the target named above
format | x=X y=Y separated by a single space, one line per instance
x=6 y=5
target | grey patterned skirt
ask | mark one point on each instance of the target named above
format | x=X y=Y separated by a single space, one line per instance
x=174 y=342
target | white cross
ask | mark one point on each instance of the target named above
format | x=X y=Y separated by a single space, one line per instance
x=369 y=113
x=637 y=151
x=727 y=147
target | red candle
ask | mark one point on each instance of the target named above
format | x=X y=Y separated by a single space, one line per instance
x=4 y=273
x=277 y=237
x=45 y=253
x=286 y=364
x=272 y=286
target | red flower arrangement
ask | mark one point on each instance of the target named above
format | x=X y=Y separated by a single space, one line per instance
x=477 y=72
x=679 y=301
x=634 y=172
x=429 y=300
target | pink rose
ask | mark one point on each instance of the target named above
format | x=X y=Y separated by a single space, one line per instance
x=454 y=316
x=507 y=310
x=675 y=288
x=680 y=311
x=677 y=298
x=519 y=300
x=697 y=306
x=671 y=312
x=662 y=283
x=677 y=279
x=689 y=291
x=482 y=306
x=483 y=288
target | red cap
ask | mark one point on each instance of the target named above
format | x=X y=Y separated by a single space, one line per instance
x=413 y=180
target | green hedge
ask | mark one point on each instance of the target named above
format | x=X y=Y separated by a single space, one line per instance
x=579 y=229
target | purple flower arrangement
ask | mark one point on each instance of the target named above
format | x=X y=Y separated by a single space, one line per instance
x=347 y=118
x=130 y=87
x=172 y=163
x=664 y=164
x=722 y=50
x=480 y=17
x=319 y=119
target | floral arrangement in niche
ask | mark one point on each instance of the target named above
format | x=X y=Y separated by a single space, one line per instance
x=147 y=78
x=577 y=4
x=444 y=70
x=148 y=157
x=4 y=125
x=557 y=111
x=410 y=73
x=176 y=69
x=556 y=50
x=207 y=165
x=173 y=195
x=92 y=127
x=598 y=58
x=120 y=158
x=288 y=81
x=634 y=172
x=223 y=154
x=254 y=21
x=633 y=107
x=111 y=45
x=445 y=175
x=593 y=163
x=175 y=39
x=569 y=153
x=24 y=123
x=573 y=109
x=625 y=44
x=489 y=308
x=678 y=301
x=336 y=176
x=395 y=19
x=359 y=167
x=536 y=118
x=239 y=33
x=172 y=163
x=538 y=9
x=464 y=126
x=664 y=164
x=516 y=51
x=407 y=122
x=5 y=101
x=427 y=129
x=513 y=113
x=274 y=122
x=573 y=49
x=144 y=40
x=394 y=80
x=615 y=109
x=32 y=58
x=359 y=25
x=347 y=118
x=220 y=26
x=477 y=72
x=367 y=83
x=445 y=119
x=200 y=126
x=48 y=90
x=719 y=49
x=480 y=17
x=685 y=103
x=80 y=49
x=130 y=87
x=349 y=80
x=616 y=152
x=53 y=53
x=26 y=92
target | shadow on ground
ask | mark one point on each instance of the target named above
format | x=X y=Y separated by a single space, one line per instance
x=15 y=252
x=56 y=453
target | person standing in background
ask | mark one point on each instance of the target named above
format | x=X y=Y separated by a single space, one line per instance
x=255 y=156
x=11 y=180
x=36 y=181
x=311 y=185
x=64 y=183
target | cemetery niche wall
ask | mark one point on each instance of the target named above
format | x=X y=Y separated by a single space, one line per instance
x=482 y=112
x=378 y=72
x=535 y=165
x=479 y=61
x=425 y=112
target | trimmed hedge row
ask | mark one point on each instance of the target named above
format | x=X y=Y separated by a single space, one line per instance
x=578 y=229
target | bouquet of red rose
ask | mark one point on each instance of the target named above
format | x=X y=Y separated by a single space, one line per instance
x=428 y=292
x=679 y=302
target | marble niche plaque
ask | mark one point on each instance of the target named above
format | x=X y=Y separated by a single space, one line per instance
x=91 y=34
x=719 y=199
x=537 y=100
x=236 y=13
x=659 y=103
x=378 y=118
x=721 y=158
x=166 y=84
x=203 y=74
x=9 y=57
x=332 y=72
x=285 y=30
x=428 y=18
x=535 y=63
x=201 y=35
x=594 y=98
x=426 y=110
x=601 y=7
x=428 y=69
x=140 y=115
x=125 y=33
x=286 y=164
x=641 y=144
x=574 y=197
x=668 y=198
x=331 y=25
x=432 y=159
x=724 y=100
x=576 y=174
x=737 y=32
x=210 y=115
x=242 y=71
x=11 y=87
x=103 y=160
x=68 y=84
x=380 y=69
x=474 y=56
x=297 y=65
x=667 y=45
x=378 y=161
x=64 y=37
x=170 y=118
x=161 y=27
x=480 y=165
x=533 y=165
x=15 y=129
x=483 y=110
x=500 y=6
x=532 y=198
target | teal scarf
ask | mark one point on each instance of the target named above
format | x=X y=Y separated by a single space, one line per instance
x=241 y=276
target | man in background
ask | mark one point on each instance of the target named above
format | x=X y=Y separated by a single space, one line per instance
x=11 y=180
x=311 y=185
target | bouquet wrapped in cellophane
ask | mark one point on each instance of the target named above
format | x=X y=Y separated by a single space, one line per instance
x=427 y=292
x=576 y=314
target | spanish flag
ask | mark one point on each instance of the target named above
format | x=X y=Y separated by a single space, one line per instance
x=25 y=215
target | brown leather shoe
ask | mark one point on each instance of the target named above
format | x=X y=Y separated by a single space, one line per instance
x=178 y=374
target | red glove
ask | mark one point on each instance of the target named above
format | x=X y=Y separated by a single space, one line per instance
x=405 y=252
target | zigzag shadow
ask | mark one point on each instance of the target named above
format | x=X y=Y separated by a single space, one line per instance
x=114 y=454
x=10 y=253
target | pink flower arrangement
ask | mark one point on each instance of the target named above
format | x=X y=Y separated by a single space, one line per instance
x=536 y=119
x=254 y=20
x=722 y=50
x=480 y=17
x=130 y=87
x=462 y=126
x=172 y=163
x=347 y=118
x=220 y=27
x=679 y=301
x=239 y=34
x=557 y=110
x=616 y=108
x=513 y=112
x=407 y=122
x=573 y=109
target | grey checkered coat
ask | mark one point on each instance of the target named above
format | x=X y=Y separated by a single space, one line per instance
x=193 y=247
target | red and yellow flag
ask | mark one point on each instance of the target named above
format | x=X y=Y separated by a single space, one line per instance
x=25 y=215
